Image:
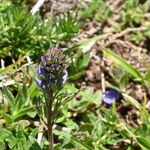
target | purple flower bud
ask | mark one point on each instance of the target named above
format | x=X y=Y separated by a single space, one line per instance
x=52 y=72
x=111 y=95
x=40 y=83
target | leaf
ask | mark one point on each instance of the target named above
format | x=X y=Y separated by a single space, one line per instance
x=35 y=146
x=77 y=46
x=9 y=96
x=91 y=96
x=132 y=101
x=66 y=136
x=25 y=95
x=147 y=76
x=144 y=142
x=24 y=91
x=12 y=141
x=21 y=99
x=85 y=61
x=9 y=119
x=99 y=129
x=71 y=88
x=80 y=144
x=23 y=112
x=123 y=64
x=87 y=127
x=124 y=82
x=33 y=90
x=6 y=135
x=77 y=75
x=19 y=102
x=2 y=145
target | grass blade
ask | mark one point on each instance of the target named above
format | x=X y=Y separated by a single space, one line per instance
x=123 y=64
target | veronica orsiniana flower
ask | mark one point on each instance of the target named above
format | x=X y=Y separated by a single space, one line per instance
x=52 y=73
x=111 y=95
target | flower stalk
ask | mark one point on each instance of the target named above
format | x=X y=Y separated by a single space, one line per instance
x=50 y=124
x=52 y=75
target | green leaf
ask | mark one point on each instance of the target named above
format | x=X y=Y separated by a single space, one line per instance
x=66 y=136
x=24 y=91
x=9 y=119
x=71 y=88
x=85 y=42
x=132 y=101
x=99 y=129
x=6 y=135
x=23 y=112
x=85 y=61
x=77 y=75
x=91 y=96
x=9 y=96
x=147 y=76
x=144 y=142
x=123 y=64
x=2 y=145
x=33 y=90
x=21 y=99
x=35 y=146
x=87 y=127
x=80 y=144
x=19 y=102
x=12 y=141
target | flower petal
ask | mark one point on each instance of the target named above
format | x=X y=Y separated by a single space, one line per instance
x=41 y=70
x=110 y=96
x=40 y=83
x=64 y=78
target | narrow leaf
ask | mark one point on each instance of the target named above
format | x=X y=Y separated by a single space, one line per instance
x=9 y=96
x=123 y=64
x=85 y=42
x=80 y=144
x=9 y=119
x=144 y=142
x=23 y=112
x=132 y=101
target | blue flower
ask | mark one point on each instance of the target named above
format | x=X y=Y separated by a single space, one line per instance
x=111 y=95
x=52 y=73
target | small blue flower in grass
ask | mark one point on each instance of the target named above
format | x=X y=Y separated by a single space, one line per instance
x=52 y=73
x=111 y=95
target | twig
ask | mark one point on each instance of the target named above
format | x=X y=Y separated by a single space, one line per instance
x=126 y=31
x=37 y=6
x=102 y=77
x=16 y=70
x=127 y=44
x=110 y=37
